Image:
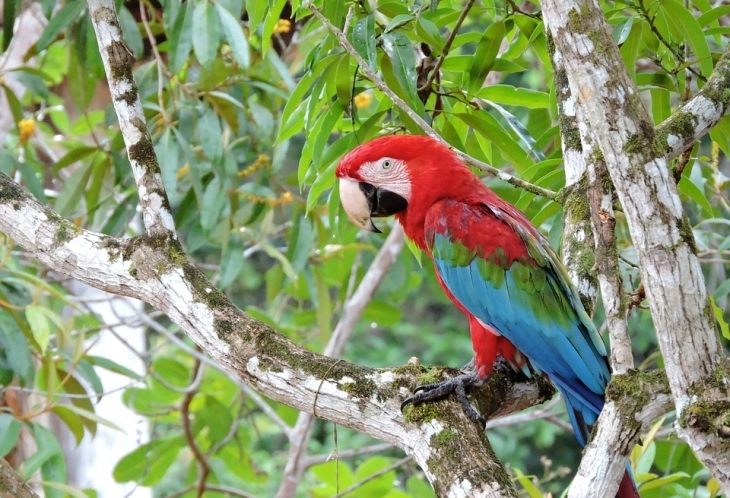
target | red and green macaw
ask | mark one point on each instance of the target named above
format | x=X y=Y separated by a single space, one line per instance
x=492 y=263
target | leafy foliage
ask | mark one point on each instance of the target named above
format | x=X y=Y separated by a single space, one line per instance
x=250 y=106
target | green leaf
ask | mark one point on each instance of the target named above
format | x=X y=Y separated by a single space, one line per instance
x=91 y=416
x=490 y=128
x=48 y=448
x=398 y=21
x=429 y=33
x=113 y=366
x=72 y=421
x=39 y=325
x=485 y=56
x=172 y=372
x=507 y=94
x=9 y=432
x=236 y=38
x=211 y=135
x=231 y=263
x=691 y=32
x=343 y=81
x=724 y=328
x=622 y=30
x=14 y=350
x=525 y=138
x=526 y=483
x=214 y=199
x=285 y=264
x=206 y=35
x=663 y=481
x=133 y=466
x=334 y=473
x=272 y=19
x=713 y=15
x=256 y=12
x=68 y=200
x=380 y=485
x=8 y=23
x=217 y=418
x=15 y=106
x=130 y=31
x=59 y=21
x=382 y=313
x=181 y=37
x=302 y=239
x=687 y=187
x=363 y=39
x=400 y=52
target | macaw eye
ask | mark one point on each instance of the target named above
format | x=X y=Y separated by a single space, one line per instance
x=387 y=164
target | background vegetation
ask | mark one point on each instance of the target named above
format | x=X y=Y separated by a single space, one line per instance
x=250 y=106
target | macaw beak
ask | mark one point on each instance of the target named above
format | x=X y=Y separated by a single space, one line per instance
x=363 y=201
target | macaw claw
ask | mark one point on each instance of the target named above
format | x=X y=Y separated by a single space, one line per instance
x=439 y=390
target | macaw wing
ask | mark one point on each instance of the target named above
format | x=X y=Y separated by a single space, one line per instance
x=505 y=273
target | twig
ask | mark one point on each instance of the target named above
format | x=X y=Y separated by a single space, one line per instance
x=202 y=459
x=600 y=198
x=117 y=59
x=351 y=453
x=447 y=46
x=380 y=84
x=158 y=59
x=525 y=416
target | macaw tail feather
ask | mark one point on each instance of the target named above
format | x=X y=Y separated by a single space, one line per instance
x=627 y=488
x=578 y=412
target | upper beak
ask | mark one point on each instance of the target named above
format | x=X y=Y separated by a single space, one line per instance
x=363 y=201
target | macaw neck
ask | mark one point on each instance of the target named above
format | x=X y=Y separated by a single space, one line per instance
x=458 y=184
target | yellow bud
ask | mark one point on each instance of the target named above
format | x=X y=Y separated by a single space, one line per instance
x=283 y=26
x=363 y=100
x=183 y=171
x=26 y=127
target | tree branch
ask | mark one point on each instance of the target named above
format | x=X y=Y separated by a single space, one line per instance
x=380 y=84
x=155 y=270
x=690 y=122
x=118 y=60
x=11 y=484
x=670 y=270
x=578 y=252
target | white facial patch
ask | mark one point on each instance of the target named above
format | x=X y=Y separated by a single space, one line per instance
x=355 y=203
x=388 y=173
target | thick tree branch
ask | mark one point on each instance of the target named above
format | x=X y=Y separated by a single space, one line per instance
x=691 y=121
x=601 y=197
x=118 y=60
x=155 y=270
x=11 y=485
x=663 y=239
x=578 y=243
x=380 y=84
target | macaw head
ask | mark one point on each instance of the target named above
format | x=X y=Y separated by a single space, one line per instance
x=397 y=175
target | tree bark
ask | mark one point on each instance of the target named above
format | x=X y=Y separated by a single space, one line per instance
x=670 y=270
x=11 y=485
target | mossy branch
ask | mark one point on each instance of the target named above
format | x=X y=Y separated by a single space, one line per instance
x=11 y=485
x=155 y=270
x=690 y=122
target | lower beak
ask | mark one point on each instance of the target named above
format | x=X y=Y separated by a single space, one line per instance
x=363 y=201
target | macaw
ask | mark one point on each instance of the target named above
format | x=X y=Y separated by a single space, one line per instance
x=492 y=263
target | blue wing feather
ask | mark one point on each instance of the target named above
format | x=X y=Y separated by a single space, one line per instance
x=552 y=329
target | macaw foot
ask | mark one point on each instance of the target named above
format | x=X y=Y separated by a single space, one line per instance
x=457 y=385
